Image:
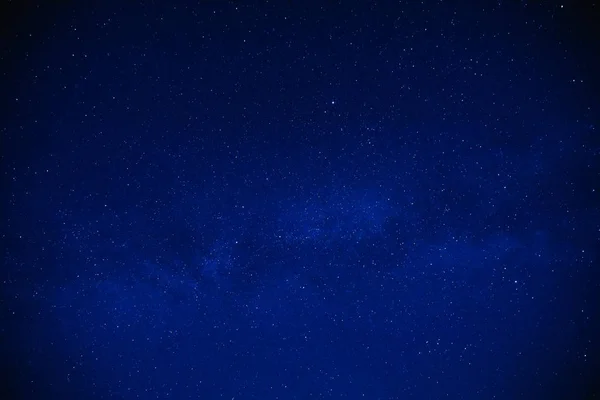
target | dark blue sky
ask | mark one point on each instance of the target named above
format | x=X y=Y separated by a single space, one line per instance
x=300 y=200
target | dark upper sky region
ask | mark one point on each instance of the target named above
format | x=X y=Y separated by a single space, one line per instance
x=300 y=200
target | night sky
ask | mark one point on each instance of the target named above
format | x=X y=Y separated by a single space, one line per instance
x=300 y=200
